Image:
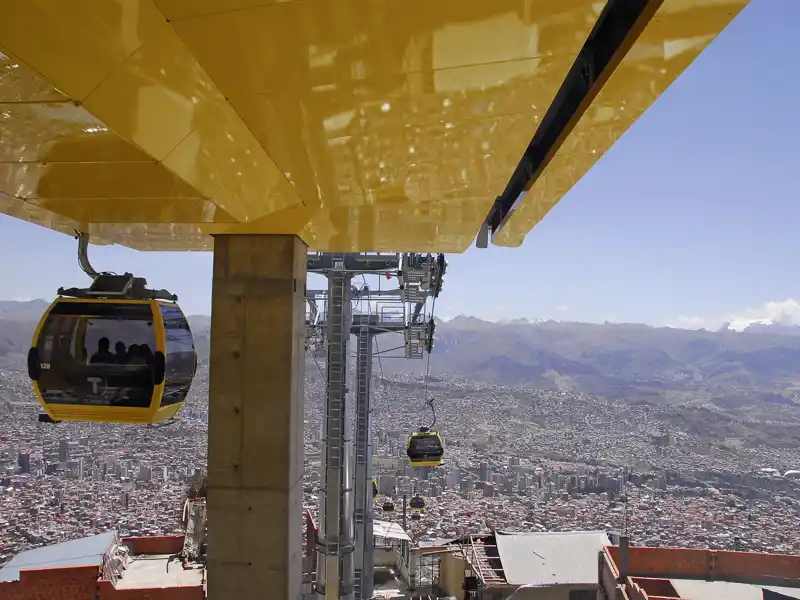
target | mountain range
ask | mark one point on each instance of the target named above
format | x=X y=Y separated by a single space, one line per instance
x=628 y=361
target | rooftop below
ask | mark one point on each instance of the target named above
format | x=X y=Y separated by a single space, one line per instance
x=158 y=571
x=711 y=590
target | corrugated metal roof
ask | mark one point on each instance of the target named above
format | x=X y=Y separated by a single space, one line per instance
x=389 y=530
x=550 y=558
x=76 y=553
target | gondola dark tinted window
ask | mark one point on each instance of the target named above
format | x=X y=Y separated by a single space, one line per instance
x=97 y=353
x=428 y=444
x=181 y=358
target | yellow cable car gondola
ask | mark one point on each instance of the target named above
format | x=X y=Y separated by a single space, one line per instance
x=415 y=516
x=425 y=448
x=417 y=503
x=374 y=488
x=388 y=507
x=115 y=352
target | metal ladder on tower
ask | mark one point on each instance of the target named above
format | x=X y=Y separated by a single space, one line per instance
x=335 y=411
x=363 y=358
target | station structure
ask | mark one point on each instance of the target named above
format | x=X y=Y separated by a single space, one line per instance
x=262 y=130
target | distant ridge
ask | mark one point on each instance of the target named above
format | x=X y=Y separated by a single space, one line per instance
x=13 y=309
x=629 y=361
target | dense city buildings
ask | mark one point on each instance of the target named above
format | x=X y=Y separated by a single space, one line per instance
x=516 y=459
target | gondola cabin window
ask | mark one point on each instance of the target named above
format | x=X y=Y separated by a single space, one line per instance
x=181 y=357
x=97 y=354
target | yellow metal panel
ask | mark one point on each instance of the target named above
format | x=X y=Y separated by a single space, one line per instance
x=435 y=226
x=416 y=165
x=92 y=180
x=26 y=211
x=159 y=96
x=293 y=218
x=180 y=9
x=77 y=44
x=152 y=236
x=155 y=97
x=151 y=210
x=58 y=132
x=680 y=31
x=223 y=159
x=379 y=113
x=19 y=84
x=357 y=124
x=309 y=48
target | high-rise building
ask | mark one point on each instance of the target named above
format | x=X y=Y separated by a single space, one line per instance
x=63 y=451
x=24 y=461
x=453 y=478
x=386 y=485
x=144 y=473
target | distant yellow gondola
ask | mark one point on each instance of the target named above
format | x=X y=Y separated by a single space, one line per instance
x=114 y=353
x=374 y=488
x=425 y=448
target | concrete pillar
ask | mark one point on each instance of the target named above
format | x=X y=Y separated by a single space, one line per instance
x=255 y=420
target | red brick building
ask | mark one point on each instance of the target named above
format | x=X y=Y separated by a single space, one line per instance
x=639 y=573
x=104 y=567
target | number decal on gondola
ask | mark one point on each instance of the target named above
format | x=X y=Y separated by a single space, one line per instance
x=44 y=366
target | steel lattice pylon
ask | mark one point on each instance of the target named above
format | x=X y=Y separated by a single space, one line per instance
x=345 y=558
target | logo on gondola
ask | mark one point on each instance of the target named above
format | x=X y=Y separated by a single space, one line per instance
x=95 y=381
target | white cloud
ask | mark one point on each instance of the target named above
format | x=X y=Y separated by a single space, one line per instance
x=563 y=307
x=785 y=312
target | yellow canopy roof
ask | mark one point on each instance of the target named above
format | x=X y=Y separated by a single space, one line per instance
x=359 y=125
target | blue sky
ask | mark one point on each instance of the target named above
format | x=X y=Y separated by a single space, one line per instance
x=692 y=218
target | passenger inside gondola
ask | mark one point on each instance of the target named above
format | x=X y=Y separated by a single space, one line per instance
x=146 y=354
x=117 y=373
x=103 y=356
x=121 y=352
x=133 y=355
